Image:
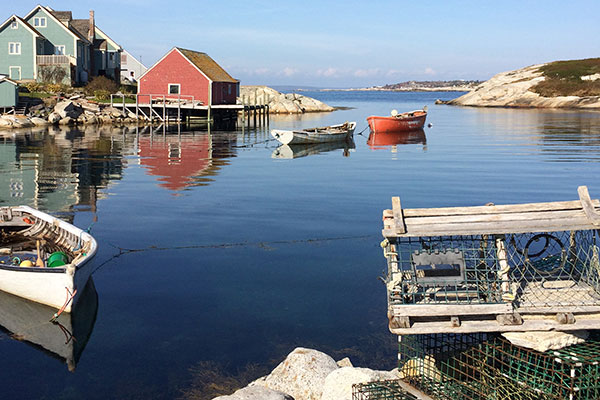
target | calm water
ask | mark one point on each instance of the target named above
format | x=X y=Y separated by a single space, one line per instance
x=216 y=260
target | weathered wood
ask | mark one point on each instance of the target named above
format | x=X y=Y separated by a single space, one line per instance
x=414 y=391
x=565 y=318
x=588 y=207
x=444 y=309
x=548 y=225
x=557 y=308
x=509 y=319
x=537 y=323
x=397 y=322
x=398 y=219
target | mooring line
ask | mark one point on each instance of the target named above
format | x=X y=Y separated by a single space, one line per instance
x=124 y=251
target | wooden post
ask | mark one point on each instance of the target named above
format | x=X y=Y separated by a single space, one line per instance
x=164 y=108
x=137 y=104
x=179 y=109
x=150 y=102
x=111 y=100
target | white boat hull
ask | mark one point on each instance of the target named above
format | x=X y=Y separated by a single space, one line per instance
x=51 y=286
x=333 y=133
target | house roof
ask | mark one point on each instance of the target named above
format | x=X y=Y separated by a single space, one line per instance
x=82 y=26
x=63 y=14
x=207 y=65
x=22 y=21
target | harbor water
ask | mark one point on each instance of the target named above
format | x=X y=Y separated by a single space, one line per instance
x=220 y=252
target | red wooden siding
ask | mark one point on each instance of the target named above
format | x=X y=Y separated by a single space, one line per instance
x=175 y=68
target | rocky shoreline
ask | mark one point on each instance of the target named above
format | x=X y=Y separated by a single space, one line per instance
x=281 y=103
x=308 y=374
x=76 y=111
x=512 y=89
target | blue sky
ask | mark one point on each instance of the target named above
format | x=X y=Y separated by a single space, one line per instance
x=349 y=43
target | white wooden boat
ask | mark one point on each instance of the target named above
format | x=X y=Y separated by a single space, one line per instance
x=29 y=237
x=64 y=338
x=333 y=133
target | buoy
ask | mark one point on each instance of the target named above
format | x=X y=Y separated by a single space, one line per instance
x=429 y=125
x=394 y=112
x=26 y=263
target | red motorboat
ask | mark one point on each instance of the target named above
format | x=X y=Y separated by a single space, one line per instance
x=408 y=121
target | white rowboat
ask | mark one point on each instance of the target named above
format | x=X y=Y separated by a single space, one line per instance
x=21 y=228
x=333 y=133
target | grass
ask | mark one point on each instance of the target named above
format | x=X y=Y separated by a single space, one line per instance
x=563 y=78
x=36 y=95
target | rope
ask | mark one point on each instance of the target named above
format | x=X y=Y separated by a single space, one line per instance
x=264 y=245
x=70 y=297
x=252 y=144
x=360 y=133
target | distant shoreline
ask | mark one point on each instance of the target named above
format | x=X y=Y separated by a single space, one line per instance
x=441 y=89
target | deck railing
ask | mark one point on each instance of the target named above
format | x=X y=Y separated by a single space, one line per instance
x=55 y=60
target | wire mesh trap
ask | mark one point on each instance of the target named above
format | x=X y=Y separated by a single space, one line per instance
x=380 y=390
x=487 y=366
x=473 y=269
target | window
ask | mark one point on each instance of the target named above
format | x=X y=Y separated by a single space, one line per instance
x=174 y=88
x=229 y=89
x=111 y=56
x=14 y=25
x=59 y=50
x=14 y=48
x=39 y=22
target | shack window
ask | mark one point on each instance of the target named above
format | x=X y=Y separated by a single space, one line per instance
x=14 y=48
x=174 y=88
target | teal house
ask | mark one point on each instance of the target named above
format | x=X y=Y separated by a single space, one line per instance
x=50 y=46
x=9 y=93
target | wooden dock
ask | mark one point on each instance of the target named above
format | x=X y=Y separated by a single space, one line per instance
x=169 y=109
x=493 y=268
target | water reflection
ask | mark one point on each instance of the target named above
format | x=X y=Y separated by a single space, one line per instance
x=302 y=150
x=384 y=140
x=64 y=339
x=184 y=160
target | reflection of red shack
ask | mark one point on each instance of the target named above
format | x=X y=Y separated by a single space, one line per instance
x=176 y=160
x=189 y=75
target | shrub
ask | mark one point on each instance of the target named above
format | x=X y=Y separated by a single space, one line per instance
x=563 y=78
x=55 y=88
x=101 y=83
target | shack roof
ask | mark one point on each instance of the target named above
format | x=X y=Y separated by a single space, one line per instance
x=207 y=65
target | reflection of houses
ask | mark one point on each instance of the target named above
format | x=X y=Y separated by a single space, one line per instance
x=182 y=161
x=49 y=45
x=59 y=171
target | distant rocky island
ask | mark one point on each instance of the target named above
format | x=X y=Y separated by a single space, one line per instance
x=559 y=84
x=421 y=86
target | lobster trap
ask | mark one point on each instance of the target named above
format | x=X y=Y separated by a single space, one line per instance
x=481 y=366
x=381 y=390
x=493 y=268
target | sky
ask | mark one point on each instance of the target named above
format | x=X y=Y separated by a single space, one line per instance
x=346 y=44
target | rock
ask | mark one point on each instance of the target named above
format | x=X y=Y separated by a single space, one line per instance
x=89 y=107
x=338 y=384
x=105 y=119
x=38 y=121
x=5 y=122
x=293 y=103
x=256 y=393
x=67 y=109
x=544 y=341
x=512 y=89
x=302 y=374
x=344 y=362
x=131 y=115
x=54 y=117
x=67 y=121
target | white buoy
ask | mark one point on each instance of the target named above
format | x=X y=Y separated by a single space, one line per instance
x=394 y=112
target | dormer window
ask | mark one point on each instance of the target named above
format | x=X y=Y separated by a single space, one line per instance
x=14 y=24
x=39 y=22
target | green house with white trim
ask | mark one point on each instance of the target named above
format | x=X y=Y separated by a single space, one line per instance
x=50 y=46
